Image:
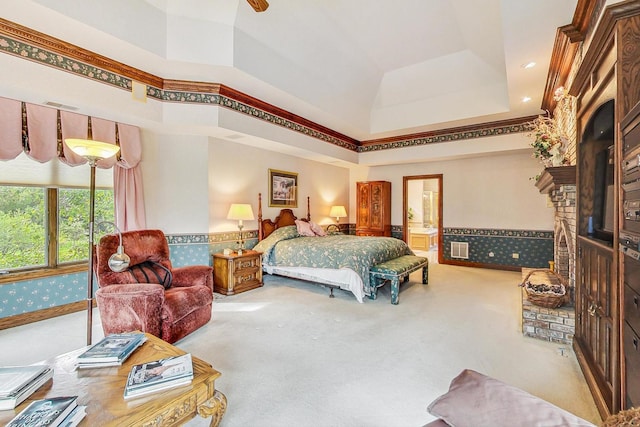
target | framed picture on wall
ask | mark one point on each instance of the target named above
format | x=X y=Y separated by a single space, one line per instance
x=283 y=189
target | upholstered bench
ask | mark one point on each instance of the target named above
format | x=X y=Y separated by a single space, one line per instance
x=394 y=270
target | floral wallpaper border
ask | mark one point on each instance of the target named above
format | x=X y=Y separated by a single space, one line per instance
x=499 y=232
x=24 y=50
x=497 y=246
x=535 y=249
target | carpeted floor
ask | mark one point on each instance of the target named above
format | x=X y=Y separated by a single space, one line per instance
x=291 y=356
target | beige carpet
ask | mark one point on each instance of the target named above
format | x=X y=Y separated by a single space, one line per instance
x=291 y=356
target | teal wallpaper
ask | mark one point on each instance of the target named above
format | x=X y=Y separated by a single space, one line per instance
x=535 y=249
x=32 y=295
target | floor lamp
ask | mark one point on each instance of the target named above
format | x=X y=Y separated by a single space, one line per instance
x=92 y=151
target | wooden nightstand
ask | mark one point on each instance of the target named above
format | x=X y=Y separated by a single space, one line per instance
x=235 y=273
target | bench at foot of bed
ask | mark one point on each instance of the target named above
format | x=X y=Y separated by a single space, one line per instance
x=394 y=270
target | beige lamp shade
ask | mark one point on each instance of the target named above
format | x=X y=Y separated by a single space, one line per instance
x=338 y=212
x=240 y=212
x=92 y=149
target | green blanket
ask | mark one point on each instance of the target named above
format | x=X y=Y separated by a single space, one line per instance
x=286 y=248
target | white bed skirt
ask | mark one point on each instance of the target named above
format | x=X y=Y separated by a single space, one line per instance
x=344 y=278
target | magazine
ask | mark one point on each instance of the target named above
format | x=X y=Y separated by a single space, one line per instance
x=14 y=399
x=13 y=378
x=75 y=416
x=159 y=375
x=46 y=412
x=112 y=350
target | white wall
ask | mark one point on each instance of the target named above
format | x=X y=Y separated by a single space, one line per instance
x=190 y=182
x=237 y=173
x=481 y=192
x=175 y=175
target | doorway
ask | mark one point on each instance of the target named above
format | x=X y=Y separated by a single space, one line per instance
x=422 y=215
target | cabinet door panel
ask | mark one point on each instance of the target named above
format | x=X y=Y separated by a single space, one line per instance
x=376 y=206
x=596 y=309
x=363 y=206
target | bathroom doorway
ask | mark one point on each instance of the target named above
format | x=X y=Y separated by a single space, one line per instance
x=422 y=215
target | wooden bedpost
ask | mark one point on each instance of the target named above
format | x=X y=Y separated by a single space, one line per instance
x=260 y=232
x=308 y=210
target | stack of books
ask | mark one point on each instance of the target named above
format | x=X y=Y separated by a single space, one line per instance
x=112 y=350
x=158 y=375
x=19 y=382
x=53 y=412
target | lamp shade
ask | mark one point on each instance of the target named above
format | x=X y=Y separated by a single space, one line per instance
x=92 y=149
x=239 y=211
x=338 y=212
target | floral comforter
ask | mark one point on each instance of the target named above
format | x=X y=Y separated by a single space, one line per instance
x=286 y=248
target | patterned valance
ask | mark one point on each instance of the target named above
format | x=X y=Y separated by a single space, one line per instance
x=39 y=132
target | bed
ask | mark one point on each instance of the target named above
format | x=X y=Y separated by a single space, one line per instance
x=334 y=260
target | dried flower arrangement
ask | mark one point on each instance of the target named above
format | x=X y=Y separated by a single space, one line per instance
x=550 y=142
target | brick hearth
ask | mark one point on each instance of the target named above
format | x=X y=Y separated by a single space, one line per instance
x=557 y=325
x=548 y=324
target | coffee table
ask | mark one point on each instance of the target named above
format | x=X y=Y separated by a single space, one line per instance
x=101 y=389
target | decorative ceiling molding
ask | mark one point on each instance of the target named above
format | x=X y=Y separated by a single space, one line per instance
x=31 y=45
x=604 y=36
x=503 y=127
x=565 y=48
x=54 y=45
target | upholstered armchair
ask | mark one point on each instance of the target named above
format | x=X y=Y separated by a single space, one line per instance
x=151 y=296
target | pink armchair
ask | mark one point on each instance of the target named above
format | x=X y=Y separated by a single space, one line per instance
x=136 y=299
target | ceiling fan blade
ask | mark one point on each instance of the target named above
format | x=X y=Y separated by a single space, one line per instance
x=258 y=5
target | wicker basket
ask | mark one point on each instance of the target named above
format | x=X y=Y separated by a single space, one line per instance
x=545 y=288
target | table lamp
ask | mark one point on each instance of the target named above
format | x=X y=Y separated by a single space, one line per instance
x=338 y=212
x=240 y=212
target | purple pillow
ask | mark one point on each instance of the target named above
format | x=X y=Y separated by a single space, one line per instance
x=304 y=228
x=476 y=400
x=319 y=231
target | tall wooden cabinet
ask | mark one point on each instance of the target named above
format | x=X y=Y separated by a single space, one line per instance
x=374 y=208
x=629 y=242
x=607 y=86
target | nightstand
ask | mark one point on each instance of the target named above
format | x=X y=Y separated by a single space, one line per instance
x=235 y=273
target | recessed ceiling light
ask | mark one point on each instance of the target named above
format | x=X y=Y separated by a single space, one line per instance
x=526 y=98
x=529 y=65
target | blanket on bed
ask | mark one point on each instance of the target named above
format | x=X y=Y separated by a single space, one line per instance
x=285 y=247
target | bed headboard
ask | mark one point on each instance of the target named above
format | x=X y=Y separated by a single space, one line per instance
x=284 y=218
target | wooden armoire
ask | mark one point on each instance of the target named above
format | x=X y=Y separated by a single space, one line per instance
x=373 y=208
x=607 y=87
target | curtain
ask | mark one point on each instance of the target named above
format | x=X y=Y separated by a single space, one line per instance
x=45 y=128
x=42 y=131
x=127 y=180
x=129 y=198
x=10 y=129
x=72 y=125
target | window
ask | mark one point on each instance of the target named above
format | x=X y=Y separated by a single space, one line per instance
x=22 y=227
x=44 y=216
x=47 y=227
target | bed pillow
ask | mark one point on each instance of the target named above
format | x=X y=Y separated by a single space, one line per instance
x=304 y=228
x=475 y=400
x=282 y=233
x=319 y=231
